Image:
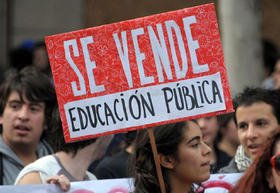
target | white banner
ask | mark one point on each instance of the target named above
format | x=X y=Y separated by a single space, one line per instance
x=218 y=183
x=145 y=105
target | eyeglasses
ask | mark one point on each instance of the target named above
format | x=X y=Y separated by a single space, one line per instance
x=275 y=162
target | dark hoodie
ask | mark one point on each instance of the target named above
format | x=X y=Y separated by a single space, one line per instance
x=12 y=165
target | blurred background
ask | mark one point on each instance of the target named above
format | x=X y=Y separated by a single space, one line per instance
x=249 y=29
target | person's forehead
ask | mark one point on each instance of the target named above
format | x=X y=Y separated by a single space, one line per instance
x=15 y=95
x=258 y=104
x=257 y=108
x=192 y=130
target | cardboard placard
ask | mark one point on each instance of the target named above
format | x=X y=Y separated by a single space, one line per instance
x=139 y=73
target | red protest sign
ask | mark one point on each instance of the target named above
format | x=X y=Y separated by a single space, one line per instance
x=139 y=73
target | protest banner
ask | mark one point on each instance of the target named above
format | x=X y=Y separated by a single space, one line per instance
x=139 y=73
x=218 y=183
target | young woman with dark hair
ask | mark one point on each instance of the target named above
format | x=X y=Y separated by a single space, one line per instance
x=263 y=176
x=183 y=156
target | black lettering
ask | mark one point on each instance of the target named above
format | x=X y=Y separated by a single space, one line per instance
x=115 y=110
x=132 y=109
x=124 y=108
x=177 y=100
x=82 y=114
x=167 y=100
x=186 y=94
x=195 y=97
x=146 y=106
x=92 y=123
x=97 y=110
x=216 y=92
x=72 y=120
x=108 y=113
x=200 y=93
x=204 y=93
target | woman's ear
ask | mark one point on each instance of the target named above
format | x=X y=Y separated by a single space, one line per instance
x=269 y=179
x=167 y=161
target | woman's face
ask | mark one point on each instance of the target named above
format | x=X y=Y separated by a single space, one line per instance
x=193 y=161
x=209 y=127
x=274 y=181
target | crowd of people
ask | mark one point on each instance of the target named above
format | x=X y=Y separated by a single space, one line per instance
x=33 y=150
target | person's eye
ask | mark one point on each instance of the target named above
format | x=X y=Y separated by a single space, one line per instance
x=15 y=106
x=195 y=145
x=34 y=108
x=261 y=123
x=242 y=126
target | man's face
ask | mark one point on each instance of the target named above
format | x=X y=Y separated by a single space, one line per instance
x=23 y=122
x=256 y=124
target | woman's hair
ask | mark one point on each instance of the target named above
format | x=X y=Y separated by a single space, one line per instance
x=254 y=180
x=167 y=139
x=57 y=140
x=223 y=122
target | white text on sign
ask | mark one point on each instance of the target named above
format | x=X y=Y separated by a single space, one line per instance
x=159 y=49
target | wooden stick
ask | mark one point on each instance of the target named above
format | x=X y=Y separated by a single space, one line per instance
x=156 y=158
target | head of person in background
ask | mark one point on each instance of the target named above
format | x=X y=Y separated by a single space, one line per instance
x=20 y=58
x=27 y=99
x=70 y=160
x=183 y=157
x=269 y=56
x=40 y=58
x=264 y=173
x=228 y=140
x=276 y=74
x=257 y=117
x=269 y=60
x=115 y=166
x=210 y=128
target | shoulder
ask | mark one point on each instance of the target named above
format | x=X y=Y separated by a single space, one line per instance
x=230 y=168
x=104 y=168
x=116 y=161
x=90 y=175
x=4 y=148
x=42 y=166
x=223 y=157
x=30 y=178
x=43 y=162
x=113 y=167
